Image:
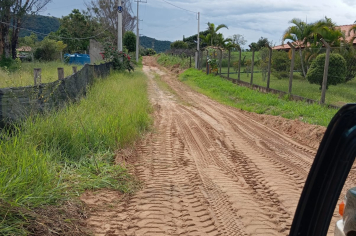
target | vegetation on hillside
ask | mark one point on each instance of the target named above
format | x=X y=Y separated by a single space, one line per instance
x=158 y=45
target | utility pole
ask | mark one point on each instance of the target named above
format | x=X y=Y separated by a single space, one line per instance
x=198 y=42
x=137 y=29
x=119 y=27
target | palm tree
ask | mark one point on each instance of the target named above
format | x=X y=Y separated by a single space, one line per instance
x=353 y=28
x=326 y=29
x=299 y=34
x=221 y=41
x=210 y=38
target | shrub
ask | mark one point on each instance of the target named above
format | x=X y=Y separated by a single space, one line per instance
x=10 y=65
x=336 y=73
x=120 y=60
x=129 y=41
x=179 y=45
x=280 y=61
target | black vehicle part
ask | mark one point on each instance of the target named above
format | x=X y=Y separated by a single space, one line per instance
x=327 y=175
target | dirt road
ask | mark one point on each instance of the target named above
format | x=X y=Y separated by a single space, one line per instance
x=207 y=169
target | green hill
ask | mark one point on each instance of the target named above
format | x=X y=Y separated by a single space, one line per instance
x=159 y=46
x=38 y=23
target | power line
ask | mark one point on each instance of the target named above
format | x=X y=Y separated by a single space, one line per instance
x=55 y=36
x=179 y=7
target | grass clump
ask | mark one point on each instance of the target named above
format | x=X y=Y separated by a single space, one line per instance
x=52 y=158
x=23 y=76
x=250 y=100
x=170 y=60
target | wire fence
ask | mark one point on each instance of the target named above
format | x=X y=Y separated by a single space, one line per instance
x=18 y=103
x=288 y=73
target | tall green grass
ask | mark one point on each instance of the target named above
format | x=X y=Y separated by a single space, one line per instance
x=170 y=60
x=54 y=157
x=250 y=100
x=24 y=76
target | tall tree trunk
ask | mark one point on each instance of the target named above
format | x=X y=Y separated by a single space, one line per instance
x=301 y=61
x=15 y=37
x=4 y=28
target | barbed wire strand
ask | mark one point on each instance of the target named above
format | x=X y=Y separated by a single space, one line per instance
x=179 y=7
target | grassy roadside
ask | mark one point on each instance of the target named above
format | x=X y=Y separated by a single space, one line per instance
x=244 y=98
x=336 y=95
x=51 y=159
x=24 y=76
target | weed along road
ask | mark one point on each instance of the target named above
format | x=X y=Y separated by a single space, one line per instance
x=206 y=169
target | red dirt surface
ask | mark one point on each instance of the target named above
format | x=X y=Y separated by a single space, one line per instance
x=209 y=169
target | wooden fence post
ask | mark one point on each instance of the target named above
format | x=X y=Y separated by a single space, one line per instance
x=269 y=65
x=60 y=73
x=238 y=75
x=252 y=64
x=228 y=65
x=74 y=69
x=326 y=69
x=37 y=76
x=291 y=69
x=220 y=60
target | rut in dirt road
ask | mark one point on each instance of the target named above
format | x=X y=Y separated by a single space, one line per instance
x=209 y=169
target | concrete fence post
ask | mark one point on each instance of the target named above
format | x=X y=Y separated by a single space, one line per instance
x=326 y=69
x=74 y=69
x=37 y=76
x=291 y=68
x=60 y=73
x=238 y=75
x=190 y=61
x=269 y=66
x=252 y=64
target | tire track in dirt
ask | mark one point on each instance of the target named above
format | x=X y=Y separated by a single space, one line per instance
x=208 y=169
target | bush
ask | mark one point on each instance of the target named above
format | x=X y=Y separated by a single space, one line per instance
x=129 y=41
x=179 y=45
x=10 y=65
x=48 y=50
x=336 y=73
x=280 y=61
x=120 y=60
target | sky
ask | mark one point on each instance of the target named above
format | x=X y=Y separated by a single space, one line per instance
x=252 y=19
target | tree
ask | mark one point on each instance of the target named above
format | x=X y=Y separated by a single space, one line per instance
x=263 y=63
x=11 y=14
x=336 y=73
x=29 y=41
x=221 y=41
x=75 y=31
x=129 y=41
x=49 y=49
x=105 y=12
x=299 y=34
x=210 y=38
x=179 y=45
x=238 y=39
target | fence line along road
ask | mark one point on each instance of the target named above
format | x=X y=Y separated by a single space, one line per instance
x=18 y=103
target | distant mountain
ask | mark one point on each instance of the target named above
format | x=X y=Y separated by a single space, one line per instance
x=38 y=23
x=159 y=46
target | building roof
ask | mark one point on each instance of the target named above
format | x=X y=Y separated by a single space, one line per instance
x=344 y=28
x=24 y=49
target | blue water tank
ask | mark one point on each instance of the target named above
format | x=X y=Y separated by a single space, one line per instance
x=78 y=58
